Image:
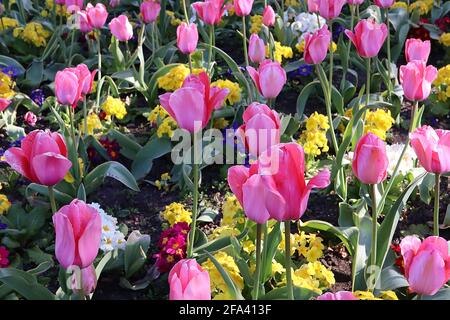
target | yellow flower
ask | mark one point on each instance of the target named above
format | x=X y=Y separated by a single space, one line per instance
x=291 y=3
x=221 y=123
x=4 y=204
x=157 y=114
x=280 y=52
x=248 y=246
x=234 y=95
x=365 y=295
x=173 y=79
x=314 y=137
x=277 y=268
x=163 y=183
x=166 y=127
x=223 y=231
x=388 y=295
x=174 y=21
x=114 y=107
x=256 y=23
x=333 y=46
x=230 y=208
x=6 y=86
x=7 y=23
x=93 y=124
x=33 y=33
x=175 y=212
x=421 y=6
x=300 y=46
x=378 y=122
x=399 y=4
x=445 y=39
x=293 y=247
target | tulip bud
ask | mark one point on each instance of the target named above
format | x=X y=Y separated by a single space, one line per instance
x=416 y=49
x=188 y=281
x=316 y=45
x=268 y=16
x=256 y=49
x=269 y=78
x=243 y=8
x=30 y=118
x=187 y=37
x=416 y=79
x=121 y=28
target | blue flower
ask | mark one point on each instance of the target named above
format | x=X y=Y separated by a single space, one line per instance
x=10 y=71
x=38 y=96
x=305 y=70
x=3 y=226
x=337 y=32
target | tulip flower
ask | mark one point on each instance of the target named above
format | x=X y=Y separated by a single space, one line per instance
x=150 y=11
x=368 y=37
x=243 y=8
x=187 y=37
x=340 y=295
x=313 y=6
x=85 y=77
x=67 y=88
x=384 y=3
x=83 y=22
x=427 y=264
x=96 y=15
x=188 y=281
x=4 y=103
x=256 y=49
x=269 y=78
x=210 y=11
x=261 y=128
x=370 y=161
x=84 y=281
x=30 y=118
x=74 y=5
x=78 y=229
x=197 y=93
x=114 y=3
x=316 y=45
x=121 y=28
x=416 y=49
x=355 y=2
x=416 y=79
x=268 y=16
x=42 y=157
x=330 y=9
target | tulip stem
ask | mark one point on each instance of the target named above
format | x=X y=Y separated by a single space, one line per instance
x=186 y=16
x=195 y=170
x=344 y=75
x=190 y=63
x=388 y=47
x=287 y=249
x=51 y=195
x=258 y=262
x=414 y=110
x=437 y=178
x=373 y=250
x=86 y=132
x=211 y=42
x=367 y=82
x=244 y=39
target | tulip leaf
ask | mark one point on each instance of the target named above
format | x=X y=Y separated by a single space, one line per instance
x=128 y=147
x=153 y=83
x=442 y=294
x=135 y=252
x=25 y=284
x=110 y=169
x=281 y=294
x=273 y=240
x=391 y=279
x=302 y=98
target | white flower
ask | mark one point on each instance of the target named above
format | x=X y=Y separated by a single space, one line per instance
x=393 y=153
x=306 y=23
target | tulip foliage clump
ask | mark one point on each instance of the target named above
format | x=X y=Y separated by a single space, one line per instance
x=213 y=149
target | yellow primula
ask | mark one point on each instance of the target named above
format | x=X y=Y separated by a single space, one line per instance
x=6 y=86
x=442 y=83
x=280 y=52
x=230 y=208
x=8 y=23
x=114 y=107
x=163 y=182
x=33 y=33
x=93 y=124
x=173 y=79
x=248 y=246
x=367 y=295
x=421 y=6
x=256 y=23
x=173 y=20
x=378 y=122
x=234 y=94
x=300 y=46
x=314 y=137
x=157 y=114
x=175 y=212
x=445 y=39
x=399 y=4
x=221 y=123
x=291 y=3
x=4 y=204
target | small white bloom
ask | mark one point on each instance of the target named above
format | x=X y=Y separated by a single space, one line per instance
x=393 y=153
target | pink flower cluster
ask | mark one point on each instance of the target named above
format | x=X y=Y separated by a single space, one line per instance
x=172 y=245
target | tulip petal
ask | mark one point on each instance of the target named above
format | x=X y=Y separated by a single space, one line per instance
x=89 y=241
x=427 y=272
x=254 y=207
x=65 y=242
x=237 y=176
x=50 y=168
x=18 y=160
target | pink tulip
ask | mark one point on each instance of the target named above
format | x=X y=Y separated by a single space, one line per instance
x=4 y=103
x=150 y=11
x=370 y=161
x=416 y=49
x=268 y=16
x=261 y=128
x=256 y=49
x=83 y=22
x=96 y=15
x=355 y=2
x=121 y=28
x=432 y=148
x=210 y=11
x=313 y=6
x=188 y=281
x=85 y=281
x=427 y=264
x=243 y=8
x=30 y=118
x=67 y=88
x=416 y=79
x=74 y=5
x=60 y=2
x=42 y=157
x=199 y=96
x=114 y=3
x=330 y=9
x=85 y=77
x=384 y=3
x=316 y=45
x=187 y=37
x=78 y=229
x=269 y=78
x=368 y=37
x=340 y=295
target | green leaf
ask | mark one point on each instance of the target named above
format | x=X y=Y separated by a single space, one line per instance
x=273 y=240
x=155 y=148
x=43 y=190
x=391 y=279
x=135 y=252
x=281 y=294
x=81 y=194
x=442 y=294
x=128 y=147
x=24 y=284
x=303 y=97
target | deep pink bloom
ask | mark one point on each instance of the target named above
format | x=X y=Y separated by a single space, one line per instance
x=84 y=283
x=150 y=11
x=368 y=37
x=30 y=118
x=416 y=49
x=261 y=128
x=340 y=295
x=188 y=281
x=427 y=264
x=384 y=3
x=121 y=28
x=330 y=9
x=4 y=254
x=416 y=79
x=85 y=77
x=42 y=157
x=256 y=49
x=96 y=15
x=313 y=6
x=74 y=5
x=4 y=103
x=316 y=45
x=370 y=161
x=269 y=78
x=210 y=11
x=78 y=229
x=243 y=8
x=199 y=96
x=187 y=37
x=268 y=16
x=432 y=148
x=67 y=88
x=83 y=22
x=355 y=2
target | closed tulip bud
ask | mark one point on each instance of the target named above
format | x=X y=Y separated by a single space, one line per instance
x=416 y=49
x=340 y=295
x=78 y=229
x=256 y=49
x=4 y=103
x=150 y=11
x=121 y=28
x=330 y=9
x=210 y=11
x=114 y=3
x=432 y=148
x=427 y=264
x=30 y=118
x=84 y=281
x=83 y=22
x=96 y=15
x=42 y=157
x=268 y=16
x=67 y=89
x=416 y=79
x=384 y=3
x=243 y=8
x=313 y=6
x=316 y=45
x=188 y=281
x=269 y=78
x=355 y=2
x=370 y=161
x=368 y=37
x=187 y=37
x=74 y=5
x=85 y=77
